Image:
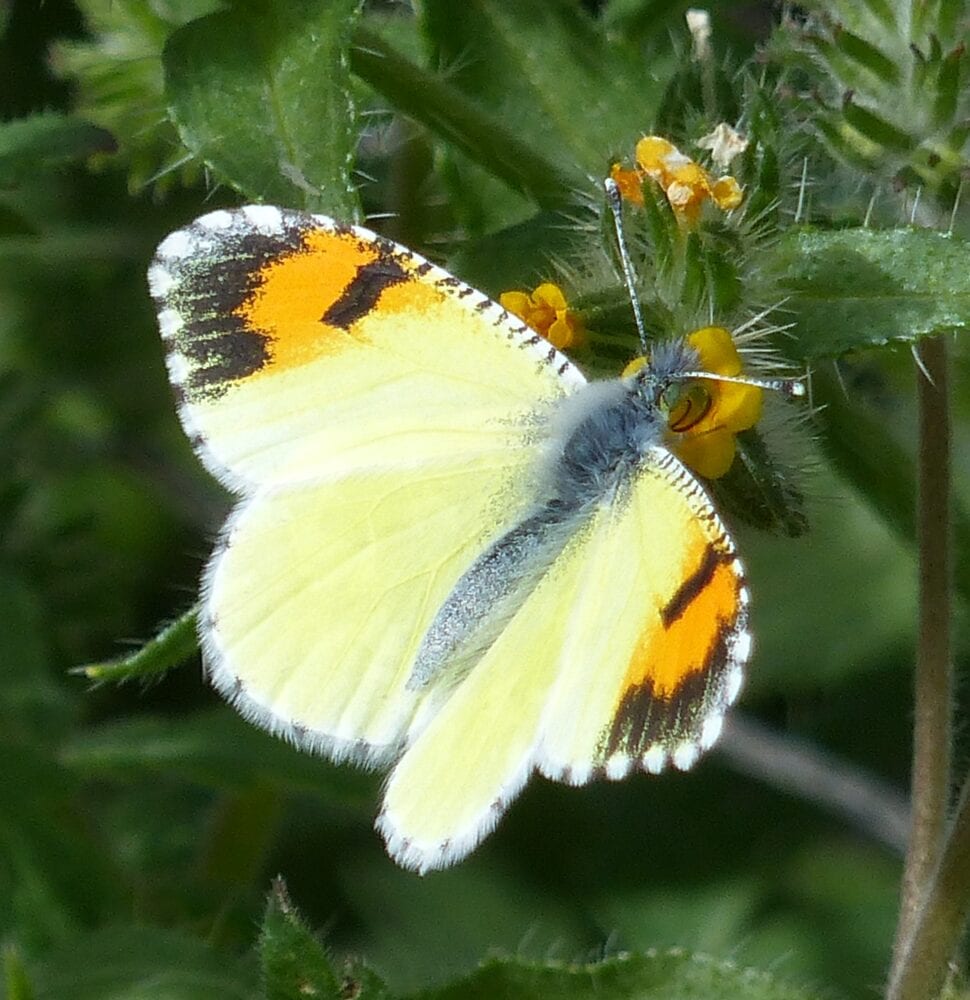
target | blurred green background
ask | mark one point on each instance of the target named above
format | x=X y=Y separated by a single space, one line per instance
x=148 y=820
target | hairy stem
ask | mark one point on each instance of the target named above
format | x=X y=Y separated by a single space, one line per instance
x=939 y=925
x=919 y=966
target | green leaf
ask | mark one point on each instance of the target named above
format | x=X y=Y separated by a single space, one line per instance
x=541 y=61
x=15 y=979
x=876 y=129
x=711 y=917
x=294 y=964
x=47 y=140
x=488 y=907
x=882 y=11
x=948 y=87
x=868 y=56
x=857 y=151
x=140 y=963
x=214 y=749
x=951 y=21
x=858 y=288
x=173 y=645
x=260 y=93
x=449 y=114
x=674 y=975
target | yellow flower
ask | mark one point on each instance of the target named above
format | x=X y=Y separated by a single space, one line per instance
x=686 y=183
x=705 y=415
x=726 y=193
x=630 y=183
x=703 y=436
x=546 y=311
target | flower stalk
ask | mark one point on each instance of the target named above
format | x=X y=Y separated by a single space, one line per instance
x=931 y=913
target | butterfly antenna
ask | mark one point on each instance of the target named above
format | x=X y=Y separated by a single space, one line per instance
x=786 y=386
x=616 y=207
x=791 y=387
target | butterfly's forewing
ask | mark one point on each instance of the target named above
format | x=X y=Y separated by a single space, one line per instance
x=300 y=348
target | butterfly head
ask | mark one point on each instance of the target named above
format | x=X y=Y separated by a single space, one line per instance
x=696 y=386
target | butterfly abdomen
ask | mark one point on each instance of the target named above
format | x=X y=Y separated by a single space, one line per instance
x=490 y=592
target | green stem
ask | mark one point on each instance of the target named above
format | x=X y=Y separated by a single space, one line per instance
x=939 y=926
x=917 y=960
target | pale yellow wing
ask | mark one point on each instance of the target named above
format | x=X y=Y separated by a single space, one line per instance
x=317 y=597
x=300 y=348
x=627 y=654
x=474 y=754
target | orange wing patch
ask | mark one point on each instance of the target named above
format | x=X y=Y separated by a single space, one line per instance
x=244 y=302
x=293 y=295
x=681 y=662
x=314 y=301
x=684 y=639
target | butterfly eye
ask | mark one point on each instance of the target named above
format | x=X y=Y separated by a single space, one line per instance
x=686 y=404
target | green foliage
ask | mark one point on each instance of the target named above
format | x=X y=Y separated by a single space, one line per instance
x=855 y=288
x=892 y=79
x=136 y=963
x=294 y=965
x=466 y=126
x=142 y=824
x=670 y=976
x=46 y=140
x=171 y=647
x=261 y=96
x=119 y=76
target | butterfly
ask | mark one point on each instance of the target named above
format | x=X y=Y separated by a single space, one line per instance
x=450 y=554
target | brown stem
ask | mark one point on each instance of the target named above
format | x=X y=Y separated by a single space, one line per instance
x=939 y=927
x=933 y=689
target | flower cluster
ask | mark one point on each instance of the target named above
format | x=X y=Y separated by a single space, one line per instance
x=703 y=416
x=545 y=310
x=686 y=183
